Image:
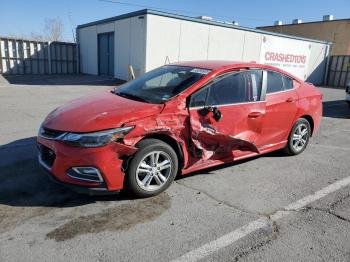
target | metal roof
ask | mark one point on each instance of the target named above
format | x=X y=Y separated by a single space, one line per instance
x=227 y=64
x=306 y=23
x=196 y=20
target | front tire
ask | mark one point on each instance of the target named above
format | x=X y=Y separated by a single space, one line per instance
x=299 y=137
x=152 y=169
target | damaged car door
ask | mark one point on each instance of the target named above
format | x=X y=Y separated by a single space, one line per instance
x=281 y=108
x=227 y=115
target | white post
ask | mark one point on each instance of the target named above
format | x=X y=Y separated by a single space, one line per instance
x=49 y=56
x=131 y=72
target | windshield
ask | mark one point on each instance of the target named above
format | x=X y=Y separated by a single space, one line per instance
x=161 y=84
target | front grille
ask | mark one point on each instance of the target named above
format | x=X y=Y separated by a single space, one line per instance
x=47 y=156
x=49 y=133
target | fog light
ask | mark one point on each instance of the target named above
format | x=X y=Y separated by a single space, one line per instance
x=90 y=174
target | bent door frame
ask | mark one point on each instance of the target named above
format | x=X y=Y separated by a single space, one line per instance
x=197 y=127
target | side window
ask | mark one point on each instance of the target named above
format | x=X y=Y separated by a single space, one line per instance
x=274 y=82
x=287 y=83
x=239 y=87
x=253 y=84
x=198 y=98
x=234 y=88
x=277 y=82
x=227 y=90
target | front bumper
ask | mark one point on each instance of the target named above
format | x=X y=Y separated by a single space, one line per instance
x=86 y=190
x=107 y=159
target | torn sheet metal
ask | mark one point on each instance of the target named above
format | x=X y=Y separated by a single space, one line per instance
x=173 y=124
x=214 y=144
x=198 y=136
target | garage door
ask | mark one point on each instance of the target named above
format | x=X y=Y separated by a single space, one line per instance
x=106 y=54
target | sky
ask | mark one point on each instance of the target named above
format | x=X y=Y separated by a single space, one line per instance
x=23 y=17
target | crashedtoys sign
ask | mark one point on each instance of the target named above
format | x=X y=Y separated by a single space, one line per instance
x=291 y=57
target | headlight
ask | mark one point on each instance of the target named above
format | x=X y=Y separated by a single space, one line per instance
x=96 y=139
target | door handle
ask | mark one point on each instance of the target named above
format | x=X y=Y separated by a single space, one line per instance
x=290 y=100
x=254 y=114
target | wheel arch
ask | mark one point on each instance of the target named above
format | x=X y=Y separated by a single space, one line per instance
x=311 y=122
x=175 y=145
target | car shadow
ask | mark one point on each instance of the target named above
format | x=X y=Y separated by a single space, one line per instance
x=336 y=109
x=25 y=184
x=211 y=170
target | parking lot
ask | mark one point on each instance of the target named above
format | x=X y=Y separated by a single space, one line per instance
x=270 y=208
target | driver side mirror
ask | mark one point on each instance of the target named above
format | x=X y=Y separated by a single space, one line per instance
x=213 y=109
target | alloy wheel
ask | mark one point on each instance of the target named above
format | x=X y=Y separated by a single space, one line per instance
x=300 y=137
x=153 y=170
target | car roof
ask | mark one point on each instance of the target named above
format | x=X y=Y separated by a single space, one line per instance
x=226 y=64
x=209 y=64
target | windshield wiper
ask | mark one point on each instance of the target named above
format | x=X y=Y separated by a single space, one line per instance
x=131 y=96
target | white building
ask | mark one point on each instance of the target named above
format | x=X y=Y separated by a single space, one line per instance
x=148 y=39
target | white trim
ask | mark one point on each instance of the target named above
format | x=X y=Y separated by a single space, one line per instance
x=43 y=164
x=86 y=179
x=53 y=138
x=41 y=134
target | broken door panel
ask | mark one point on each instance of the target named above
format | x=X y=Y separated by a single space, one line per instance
x=239 y=129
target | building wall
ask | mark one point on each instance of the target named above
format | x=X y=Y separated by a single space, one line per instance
x=150 y=40
x=88 y=50
x=221 y=49
x=336 y=31
x=172 y=40
x=317 y=64
x=251 y=46
x=129 y=46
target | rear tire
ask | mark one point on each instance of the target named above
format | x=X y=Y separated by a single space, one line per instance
x=152 y=169
x=298 y=138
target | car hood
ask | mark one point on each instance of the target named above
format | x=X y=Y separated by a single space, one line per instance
x=99 y=111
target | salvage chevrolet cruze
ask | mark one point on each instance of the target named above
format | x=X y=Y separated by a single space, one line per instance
x=176 y=119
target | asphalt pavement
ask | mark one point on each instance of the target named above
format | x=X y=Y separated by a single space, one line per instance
x=269 y=208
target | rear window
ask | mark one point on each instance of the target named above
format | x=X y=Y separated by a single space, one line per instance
x=287 y=83
x=277 y=82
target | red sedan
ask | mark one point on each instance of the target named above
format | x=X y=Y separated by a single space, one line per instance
x=178 y=118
